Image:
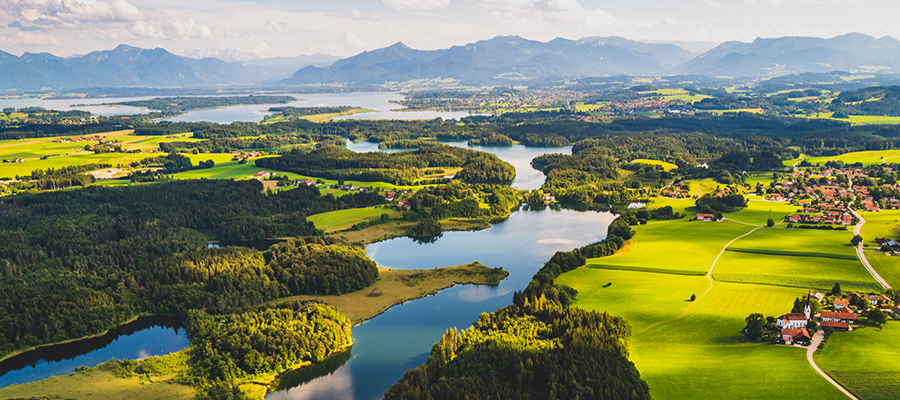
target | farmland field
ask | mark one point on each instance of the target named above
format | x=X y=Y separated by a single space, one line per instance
x=666 y=166
x=865 y=157
x=883 y=224
x=343 y=219
x=857 y=119
x=850 y=359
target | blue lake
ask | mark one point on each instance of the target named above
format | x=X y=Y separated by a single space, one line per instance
x=401 y=338
x=140 y=339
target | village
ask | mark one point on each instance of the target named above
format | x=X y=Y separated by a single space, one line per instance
x=829 y=313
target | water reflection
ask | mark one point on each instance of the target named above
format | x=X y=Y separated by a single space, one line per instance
x=401 y=338
x=146 y=337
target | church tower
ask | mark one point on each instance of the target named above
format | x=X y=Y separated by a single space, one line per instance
x=808 y=310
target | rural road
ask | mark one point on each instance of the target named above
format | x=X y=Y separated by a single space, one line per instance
x=810 y=350
x=862 y=257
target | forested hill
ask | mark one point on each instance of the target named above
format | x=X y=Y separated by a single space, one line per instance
x=76 y=263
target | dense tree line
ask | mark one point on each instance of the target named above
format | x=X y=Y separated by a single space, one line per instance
x=225 y=349
x=41 y=130
x=493 y=140
x=400 y=168
x=182 y=104
x=76 y=263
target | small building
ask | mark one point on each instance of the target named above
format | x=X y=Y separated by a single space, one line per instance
x=838 y=326
x=791 y=336
x=846 y=316
x=840 y=304
x=309 y=182
x=818 y=296
x=261 y=175
x=705 y=217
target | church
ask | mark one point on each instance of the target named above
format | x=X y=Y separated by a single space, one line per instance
x=795 y=320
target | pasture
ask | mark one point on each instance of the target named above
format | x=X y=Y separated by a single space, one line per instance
x=857 y=119
x=335 y=221
x=883 y=224
x=864 y=157
x=680 y=358
x=850 y=358
x=666 y=166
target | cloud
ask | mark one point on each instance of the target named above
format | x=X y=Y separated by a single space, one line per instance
x=279 y=27
x=568 y=13
x=68 y=13
x=729 y=4
x=186 y=29
x=30 y=39
x=416 y=4
x=143 y=28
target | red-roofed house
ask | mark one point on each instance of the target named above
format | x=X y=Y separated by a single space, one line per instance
x=261 y=175
x=841 y=304
x=847 y=317
x=791 y=336
x=840 y=326
x=705 y=217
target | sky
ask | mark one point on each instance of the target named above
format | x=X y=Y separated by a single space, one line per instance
x=254 y=28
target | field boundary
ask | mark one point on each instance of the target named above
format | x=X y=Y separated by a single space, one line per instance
x=651 y=270
x=708 y=276
x=795 y=253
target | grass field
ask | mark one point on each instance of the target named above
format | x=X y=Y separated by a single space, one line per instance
x=680 y=359
x=343 y=219
x=857 y=119
x=864 y=361
x=97 y=384
x=883 y=224
x=397 y=286
x=865 y=157
x=703 y=186
x=666 y=166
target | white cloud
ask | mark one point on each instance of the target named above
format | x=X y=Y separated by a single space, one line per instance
x=29 y=39
x=69 y=13
x=143 y=28
x=416 y=4
x=186 y=29
x=279 y=27
x=569 y=13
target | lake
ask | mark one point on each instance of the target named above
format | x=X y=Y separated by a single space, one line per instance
x=401 y=338
x=148 y=336
x=380 y=102
x=519 y=156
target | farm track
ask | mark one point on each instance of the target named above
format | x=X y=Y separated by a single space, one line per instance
x=708 y=276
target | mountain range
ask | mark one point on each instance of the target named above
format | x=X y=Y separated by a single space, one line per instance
x=497 y=60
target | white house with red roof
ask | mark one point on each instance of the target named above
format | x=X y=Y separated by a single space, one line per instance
x=795 y=320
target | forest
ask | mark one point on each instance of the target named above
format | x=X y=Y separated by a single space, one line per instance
x=400 y=168
x=76 y=263
x=182 y=104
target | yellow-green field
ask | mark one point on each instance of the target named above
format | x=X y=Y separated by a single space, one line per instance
x=865 y=157
x=857 y=119
x=666 y=166
x=680 y=346
x=344 y=219
x=864 y=361
x=883 y=224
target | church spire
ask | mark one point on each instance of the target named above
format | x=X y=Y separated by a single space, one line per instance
x=808 y=310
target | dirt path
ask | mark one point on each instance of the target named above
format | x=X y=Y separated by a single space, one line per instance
x=810 y=350
x=708 y=276
x=862 y=257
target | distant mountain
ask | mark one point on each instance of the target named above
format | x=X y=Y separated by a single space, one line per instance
x=788 y=55
x=501 y=57
x=122 y=66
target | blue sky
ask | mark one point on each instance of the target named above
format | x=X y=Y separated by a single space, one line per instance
x=248 y=28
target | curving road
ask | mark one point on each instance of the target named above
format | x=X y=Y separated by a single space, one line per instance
x=862 y=257
x=811 y=349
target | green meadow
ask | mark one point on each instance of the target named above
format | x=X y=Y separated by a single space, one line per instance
x=334 y=221
x=699 y=355
x=850 y=358
x=865 y=157
x=680 y=346
x=883 y=224
x=857 y=119
x=666 y=166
